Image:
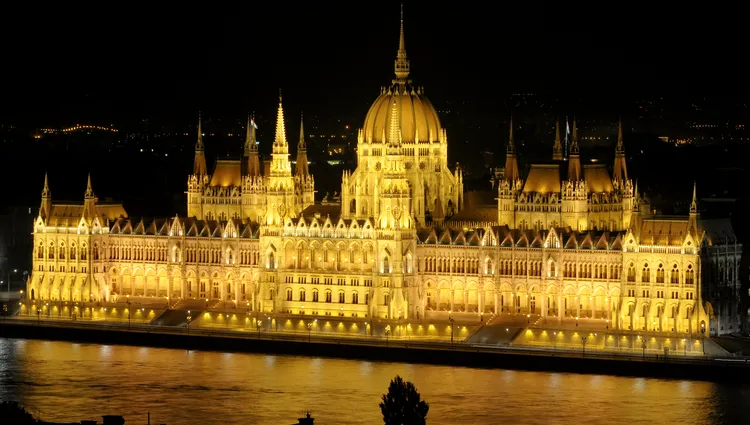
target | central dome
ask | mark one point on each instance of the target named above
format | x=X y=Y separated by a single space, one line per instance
x=417 y=119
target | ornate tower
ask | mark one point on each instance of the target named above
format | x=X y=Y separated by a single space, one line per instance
x=557 y=149
x=280 y=193
x=573 y=192
x=574 y=163
x=198 y=179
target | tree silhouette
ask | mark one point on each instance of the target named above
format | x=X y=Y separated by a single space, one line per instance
x=402 y=405
x=13 y=413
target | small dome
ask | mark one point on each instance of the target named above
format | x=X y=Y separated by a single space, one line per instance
x=415 y=114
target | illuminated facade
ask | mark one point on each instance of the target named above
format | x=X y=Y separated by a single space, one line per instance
x=568 y=241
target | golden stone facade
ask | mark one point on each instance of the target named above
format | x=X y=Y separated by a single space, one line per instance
x=575 y=244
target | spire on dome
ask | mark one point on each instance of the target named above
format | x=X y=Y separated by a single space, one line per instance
x=199 y=164
x=46 y=206
x=511 y=164
x=557 y=150
x=620 y=170
x=401 y=64
x=89 y=201
x=394 y=136
x=280 y=139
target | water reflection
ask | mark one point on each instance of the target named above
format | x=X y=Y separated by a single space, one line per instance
x=70 y=382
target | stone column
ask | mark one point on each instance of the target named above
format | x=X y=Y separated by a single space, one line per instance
x=453 y=295
x=578 y=307
x=480 y=302
x=132 y=285
x=544 y=304
x=183 y=287
x=560 y=308
x=497 y=303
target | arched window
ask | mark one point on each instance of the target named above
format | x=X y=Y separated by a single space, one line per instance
x=674 y=275
x=51 y=251
x=631 y=273
x=271 y=261
x=62 y=250
x=289 y=294
x=329 y=295
x=315 y=295
x=660 y=274
x=646 y=274
x=386 y=298
x=96 y=252
x=386 y=265
x=342 y=297
x=353 y=206
x=690 y=275
x=302 y=295
x=355 y=298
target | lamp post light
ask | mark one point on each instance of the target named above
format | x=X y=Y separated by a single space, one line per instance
x=128 y=303
x=554 y=343
x=583 y=343
x=258 y=324
x=643 y=346
x=189 y=318
x=607 y=327
x=309 y=330
x=452 y=321
x=528 y=319
x=387 y=334
x=684 y=345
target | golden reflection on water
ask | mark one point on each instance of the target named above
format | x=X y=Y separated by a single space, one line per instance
x=69 y=382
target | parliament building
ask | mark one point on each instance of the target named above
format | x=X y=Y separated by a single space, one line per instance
x=565 y=240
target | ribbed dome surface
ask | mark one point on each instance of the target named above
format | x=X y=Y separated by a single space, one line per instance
x=415 y=114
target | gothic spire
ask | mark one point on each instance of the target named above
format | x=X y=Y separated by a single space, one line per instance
x=574 y=162
x=89 y=190
x=620 y=170
x=694 y=203
x=199 y=164
x=302 y=169
x=557 y=150
x=511 y=164
x=401 y=65
x=250 y=144
x=301 y=143
x=45 y=190
x=280 y=140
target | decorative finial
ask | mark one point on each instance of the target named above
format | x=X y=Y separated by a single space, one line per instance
x=279 y=95
x=620 y=148
x=89 y=190
x=694 y=203
x=401 y=64
x=199 y=143
x=301 y=144
x=511 y=145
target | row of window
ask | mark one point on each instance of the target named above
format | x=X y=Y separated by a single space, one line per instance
x=328 y=296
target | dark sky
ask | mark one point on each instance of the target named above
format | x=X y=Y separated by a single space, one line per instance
x=129 y=60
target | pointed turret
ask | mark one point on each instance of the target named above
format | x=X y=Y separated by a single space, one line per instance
x=302 y=169
x=574 y=163
x=620 y=169
x=511 y=164
x=694 y=215
x=89 y=200
x=46 y=207
x=401 y=64
x=557 y=149
x=199 y=165
x=251 y=148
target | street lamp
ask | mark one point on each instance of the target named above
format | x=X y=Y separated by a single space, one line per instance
x=643 y=346
x=528 y=319
x=128 y=304
x=258 y=324
x=309 y=329
x=387 y=333
x=452 y=321
x=189 y=319
x=583 y=343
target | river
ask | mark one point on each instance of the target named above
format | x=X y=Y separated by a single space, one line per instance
x=63 y=381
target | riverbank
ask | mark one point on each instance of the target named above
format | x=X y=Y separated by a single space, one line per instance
x=441 y=353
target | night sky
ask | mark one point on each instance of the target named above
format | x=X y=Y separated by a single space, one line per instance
x=109 y=63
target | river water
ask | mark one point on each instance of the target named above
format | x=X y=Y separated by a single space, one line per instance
x=65 y=381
